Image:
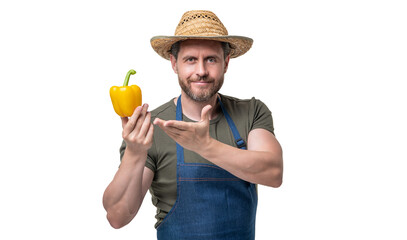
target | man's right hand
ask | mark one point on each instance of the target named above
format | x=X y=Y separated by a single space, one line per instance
x=138 y=130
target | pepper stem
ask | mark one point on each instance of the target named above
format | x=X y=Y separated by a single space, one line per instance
x=126 y=80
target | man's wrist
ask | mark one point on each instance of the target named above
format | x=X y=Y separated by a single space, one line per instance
x=134 y=156
x=207 y=149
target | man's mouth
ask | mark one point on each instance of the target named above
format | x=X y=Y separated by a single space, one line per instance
x=201 y=83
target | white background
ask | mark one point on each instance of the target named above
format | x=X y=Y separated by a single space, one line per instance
x=332 y=72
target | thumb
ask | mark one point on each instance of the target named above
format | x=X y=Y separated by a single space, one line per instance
x=205 y=113
x=124 y=121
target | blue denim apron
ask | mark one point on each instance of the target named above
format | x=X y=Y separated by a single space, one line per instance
x=211 y=203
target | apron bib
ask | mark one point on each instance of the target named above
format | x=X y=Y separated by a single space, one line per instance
x=211 y=203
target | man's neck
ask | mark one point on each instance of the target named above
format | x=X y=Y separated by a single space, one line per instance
x=193 y=109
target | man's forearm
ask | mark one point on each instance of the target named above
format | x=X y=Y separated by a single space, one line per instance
x=124 y=195
x=260 y=167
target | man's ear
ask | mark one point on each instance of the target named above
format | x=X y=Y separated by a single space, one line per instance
x=173 y=63
x=226 y=63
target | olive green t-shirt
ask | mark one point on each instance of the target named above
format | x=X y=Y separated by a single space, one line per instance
x=162 y=157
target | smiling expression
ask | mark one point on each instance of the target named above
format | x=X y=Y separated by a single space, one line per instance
x=200 y=67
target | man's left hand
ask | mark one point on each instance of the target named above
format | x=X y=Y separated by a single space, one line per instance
x=193 y=136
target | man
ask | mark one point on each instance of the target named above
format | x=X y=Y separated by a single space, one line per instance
x=204 y=153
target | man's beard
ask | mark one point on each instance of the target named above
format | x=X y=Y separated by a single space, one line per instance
x=204 y=95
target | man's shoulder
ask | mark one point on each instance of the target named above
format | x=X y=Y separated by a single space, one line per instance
x=249 y=113
x=239 y=102
x=244 y=107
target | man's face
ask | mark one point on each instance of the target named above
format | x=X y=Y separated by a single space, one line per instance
x=200 y=67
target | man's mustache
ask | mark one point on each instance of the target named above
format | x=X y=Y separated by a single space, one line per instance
x=201 y=79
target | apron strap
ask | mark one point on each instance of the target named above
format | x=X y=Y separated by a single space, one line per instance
x=178 y=117
x=239 y=141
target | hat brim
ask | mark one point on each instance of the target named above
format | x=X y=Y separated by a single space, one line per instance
x=239 y=45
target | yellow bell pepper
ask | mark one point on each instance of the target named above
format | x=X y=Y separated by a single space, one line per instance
x=126 y=99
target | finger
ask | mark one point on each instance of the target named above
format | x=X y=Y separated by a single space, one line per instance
x=146 y=125
x=128 y=128
x=124 y=121
x=140 y=121
x=150 y=133
x=172 y=133
x=205 y=113
x=180 y=125
x=159 y=122
x=169 y=130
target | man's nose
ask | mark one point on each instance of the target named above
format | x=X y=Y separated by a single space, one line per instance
x=201 y=69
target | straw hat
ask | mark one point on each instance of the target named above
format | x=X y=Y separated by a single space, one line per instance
x=201 y=25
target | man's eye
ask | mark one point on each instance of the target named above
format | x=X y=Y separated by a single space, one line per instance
x=211 y=60
x=190 y=59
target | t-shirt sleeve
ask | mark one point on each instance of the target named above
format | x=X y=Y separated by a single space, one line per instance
x=149 y=162
x=262 y=117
